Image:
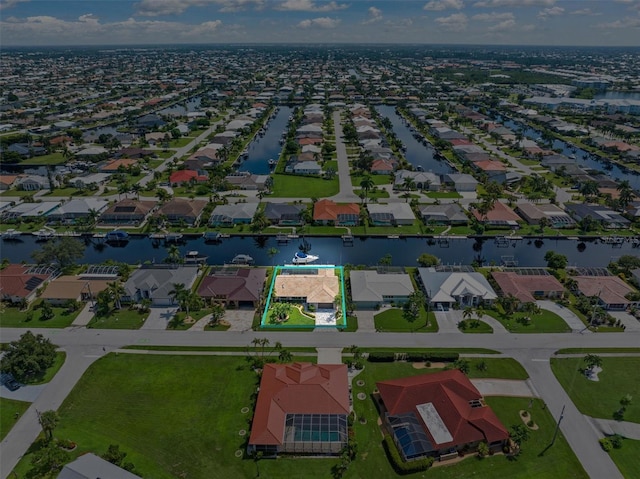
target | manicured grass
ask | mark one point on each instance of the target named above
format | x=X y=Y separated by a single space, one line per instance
x=627 y=458
x=443 y=194
x=474 y=326
x=295 y=186
x=597 y=350
x=545 y=322
x=442 y=350
x=12 y=317
x=377 y=179
x=619 y=376
x=10 y=412
x=52 y=371
x=51 y=159
x=119 y=319
x=393 y=320
x=239 y=350
x=177 y=322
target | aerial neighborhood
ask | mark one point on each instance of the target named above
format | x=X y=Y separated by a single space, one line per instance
x=319 y=262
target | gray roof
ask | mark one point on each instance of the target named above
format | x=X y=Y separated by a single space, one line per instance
x=236 y=211
x=371 y=286
x=159 y=280
x=461 y=178
x=451 y=211
x=276 y=211
x=445 y=286
x=90 y=466
x=399 y=211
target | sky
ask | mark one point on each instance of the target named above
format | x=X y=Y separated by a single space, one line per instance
x=494 y=22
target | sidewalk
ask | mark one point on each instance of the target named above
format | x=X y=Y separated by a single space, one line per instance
x=609 y=427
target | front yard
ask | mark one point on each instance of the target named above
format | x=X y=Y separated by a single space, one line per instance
x=545 y=322
x=119 y=319
x=394 y=320
x=13 y=317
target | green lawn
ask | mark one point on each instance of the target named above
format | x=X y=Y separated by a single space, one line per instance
x=295 y=186
x=473 y=326
x=443 y=194
x=393 y=320
x=51 y=159
x=119 y=319
x=377 y=180
x=180 y=416
x=52 y=371
x=619 y=376
x=545 y=322
x=628 y=458
x=10 y=412
x=177 y=322
x=12 y=317
x=597 y=350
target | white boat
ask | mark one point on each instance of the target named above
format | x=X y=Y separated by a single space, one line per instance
x=304 y=258
x=242 y=259
x=10 y=235
x=117 y=236
x=272 y=162
x=44 y=234
x=194 y=257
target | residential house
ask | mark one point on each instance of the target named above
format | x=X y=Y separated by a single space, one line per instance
x=77 y=288
x=19 y=282
x=604 y=215
x=313 y=286
x=237 y=287
x=611 y=291
x=113 y=166
x=382 y=167
x=27 y=151
x=90 y=466
x=30 y=210
x=371 y=289
x=495 y=170
x=438 y=415
x=180 y=210
x=181 y=177
x=134 y=153
x=423 y=180
x=461 y=182
x=77 y=208
x=284 y=214
x=248 y=181
x=6 y=181
x=229 y=215
x=445 y=289
x=327 y=212
x=32 y=182
x=499 y=215
x=155 y=282
x=128 y=212
x=302 y=408
x=555 y=216
x=307 y=168
x=86 y=181
x=444 y=214
x=530 y=287
x=391 y=214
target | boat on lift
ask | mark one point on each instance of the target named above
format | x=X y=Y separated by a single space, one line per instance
x=242 y=259
x=44 y=234
x=194 y=257
x=11 y=235
x=304 y=258
x=117 y=236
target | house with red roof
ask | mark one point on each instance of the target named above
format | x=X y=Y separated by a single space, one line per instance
x=528 y=288
x=186 y=176
x=302 y=408
x=20 y=282
x=239 y=287
x=611 y=291
x=434 y=415
x=327 y=212
x=499 y=215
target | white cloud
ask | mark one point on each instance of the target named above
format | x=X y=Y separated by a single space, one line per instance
x=514 y=3
x=321 y=22
x=154 y=8
x=375 y=15
x=310 y=6
x=440 y=5
x=504 y=26
x=455 y=22
x=10 y=3
x=550 y=12
x=489 y=17
x=628 y=22
x=585 y=12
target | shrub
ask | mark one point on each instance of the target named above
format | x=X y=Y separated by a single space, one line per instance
x=437 y=356
x=399 y=465
x=381 y=357
x=616 y=441
x=530 y=423
x=605 y=443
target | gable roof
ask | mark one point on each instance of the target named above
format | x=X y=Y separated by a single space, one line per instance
x=452 y=395
x=443 y=286
x=369 y=285
x=523 y=286
x=321 y=287
x=327 y=210
x=610 y=289
x=90 y=466
x=298 y=388
x=182 y=207
x=245 y=285
x=17 y=281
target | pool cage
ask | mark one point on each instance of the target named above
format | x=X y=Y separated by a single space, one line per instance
x=315 y=433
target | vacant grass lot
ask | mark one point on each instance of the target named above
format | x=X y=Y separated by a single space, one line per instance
x=12 y=317
x=619 y=376
x=545 y=322
x=393 y=320
x=9 y=408
x=295 y=186
x=180 y=416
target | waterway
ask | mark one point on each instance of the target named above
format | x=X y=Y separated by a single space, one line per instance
x=188 y=106
x=417 y=153
x=266 y=147
x=331 y=250
x=583 y=158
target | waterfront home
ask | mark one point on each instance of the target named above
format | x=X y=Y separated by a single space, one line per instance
x=383 y=166
x=391 y=214
x=121 y=164
x=604 y=215
x=248 y=181
x=495 y=170
x=229 y=215
x=444 y=289
x=32 y=182
x=155 y=282
x=307 y=168
x=528 y=287
x=611 y=291
x=461 y=182
x=30 y=210
x=422 y=180
x=19 y=282
x=437 y=415
x=86 y=181
x=327 y=212
x=444 y=214
x=302 y=408
x=500 y=215
x=371 y=289
x=284 y=214
x=555 y=216
x=180 y=210
x=316 y=287
x=6 y=181
x=77 y=208
x=76 y=288
x=237 y=287
x=128 y=212
x=184 y=177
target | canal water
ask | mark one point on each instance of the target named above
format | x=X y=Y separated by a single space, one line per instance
x=331 y=250
x=266 y=147
x=188 y=106
x=417 y=153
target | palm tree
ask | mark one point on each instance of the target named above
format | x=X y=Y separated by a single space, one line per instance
x=180 y=294
x=136 y=188
x=626 y=193
x=593 y=361
x=48 y=421
x=408 y=183
x=260 y=221
x=173 y=254
x=116 y=290
x=509 y=303
x=468 y=312
x=366 y=184
x=589 y=188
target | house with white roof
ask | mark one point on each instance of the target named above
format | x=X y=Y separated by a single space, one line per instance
x=444 y=289
x=371 y=289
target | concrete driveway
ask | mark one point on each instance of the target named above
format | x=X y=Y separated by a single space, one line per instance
x=630 y=323
x=504 y=387
x=566 y=314
x=25 y=393
x=239 y=319
x=159 y=317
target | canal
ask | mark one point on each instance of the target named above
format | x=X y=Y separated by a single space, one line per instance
x=331 y=250
x=266 y=147
x=417 y=153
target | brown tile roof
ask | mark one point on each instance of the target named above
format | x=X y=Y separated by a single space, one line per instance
x=245 y=285
x=322 y=287
x=327 y=210
x=8 y=179
x=523 y=286
x=450 y=392
x=15 y=281
x=113 y=165
x=610 y=289
x=71 y=287
x=298 y=388
x=500 y=212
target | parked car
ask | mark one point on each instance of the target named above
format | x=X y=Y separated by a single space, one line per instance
x=9 y=381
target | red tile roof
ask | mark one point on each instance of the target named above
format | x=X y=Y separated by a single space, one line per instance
x=610 y=289
x=523 y=287
x=298 y=388
x=184 y=176
x=327 y=210
x=500 y=212
x=450 y=392
x=246 y=285
x=490 y=165
x=16 y=282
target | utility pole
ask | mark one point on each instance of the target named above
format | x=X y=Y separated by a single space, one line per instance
x=555 y=434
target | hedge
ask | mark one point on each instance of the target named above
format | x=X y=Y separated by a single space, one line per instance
x=381 y=357
x=399 y=465
x=433 y=356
